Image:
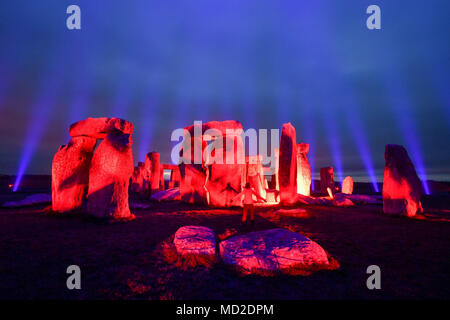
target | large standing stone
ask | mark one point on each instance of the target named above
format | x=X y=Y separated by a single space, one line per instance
x=99 y=128
x=402 y=188
x=327 y=179
x=70 y=174
x=195 y=240
x=155 y=173
x=109 y=176
x=224 y=183
x=215 y=178
x=272 y=251
x=303 y=170
x=347 y=185
x=288 y=165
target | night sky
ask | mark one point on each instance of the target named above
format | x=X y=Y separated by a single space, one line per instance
x=163 y=64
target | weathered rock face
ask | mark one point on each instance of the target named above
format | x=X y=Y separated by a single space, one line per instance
x=214 y=179
x=320 y=201
x=327 y=179
x=402 y=188
x=70 y=174
x=137 y=179
x=99 y=128
x=224 y=183
x=303 y=170
x=155 y=171
x=288 y=164
x=192 y=186
x=272 y=251
x=347 y=185
x=255 y=175
x=195 y=240
x=109 y=176
x=175 y=177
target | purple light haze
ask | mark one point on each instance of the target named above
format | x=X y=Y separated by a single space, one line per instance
x=401 y=106
x=146 y=124
x=359 y=135
x=42 y=111
x=335 y=144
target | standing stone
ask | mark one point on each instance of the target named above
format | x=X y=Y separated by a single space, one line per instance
x=175 y=177
x=109 y=176
x=303 y=170
x=155 y=174
x=147 y=174
x=70 y=174
x=224 y=183
x=275 y=181
x=137 y=179
x=192 y=185
x=215 y=178
x=255 y=175
x=347 y=185
x=402 y=188
x=162 y=182
x=288 y=165
x=327 y=179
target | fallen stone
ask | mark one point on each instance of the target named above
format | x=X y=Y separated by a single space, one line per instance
x=140 y=205
x=296 y=212
x=195 y=240
x=70 y=174
x=364 y=199
x=340 y=200
x=99 y=128
x=320 y=201
x=273 y=251
x=39 y=198
x=167 y=195
x=109 y=176
x=402 y=188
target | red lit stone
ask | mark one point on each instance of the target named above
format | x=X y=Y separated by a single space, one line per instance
x=272 y=251
x=288 y=165
x=70 y=174
x=347 y=185
x=303 y=170
x=402 y=188
x=109 y=176
x=327 y=179
x=99 y=127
